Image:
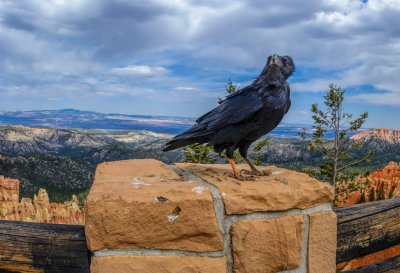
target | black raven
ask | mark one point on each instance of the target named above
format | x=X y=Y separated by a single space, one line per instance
x=244 y=116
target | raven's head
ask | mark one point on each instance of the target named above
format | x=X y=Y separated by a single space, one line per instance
x=278 y=67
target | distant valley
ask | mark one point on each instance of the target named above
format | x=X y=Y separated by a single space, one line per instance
x=64 y=160
x=75 y=119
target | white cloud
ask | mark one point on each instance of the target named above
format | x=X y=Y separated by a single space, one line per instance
x=85 y=47
x=140 y=70
x=392 y=99
x=187 y=88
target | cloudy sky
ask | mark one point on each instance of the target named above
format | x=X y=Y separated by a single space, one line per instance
x=174 y=57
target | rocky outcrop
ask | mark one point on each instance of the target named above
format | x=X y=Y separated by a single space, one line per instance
x=378 y=256
x=380 y=184
x=37 y=210
x=391 y=136
x=386 y=181
x=146 y=216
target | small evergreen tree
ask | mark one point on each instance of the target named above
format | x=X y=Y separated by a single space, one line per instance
x=257 y=149
x=371 y=196
x=381 y=195
x=334 y=119
x=362 y=198
x=231 y=87
x=198 y=153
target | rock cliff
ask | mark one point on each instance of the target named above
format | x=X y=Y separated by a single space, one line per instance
x=380 y=184
x=391 y=136
x=37 y=210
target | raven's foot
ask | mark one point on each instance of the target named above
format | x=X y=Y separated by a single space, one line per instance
x=257 y=172
x=240 y=177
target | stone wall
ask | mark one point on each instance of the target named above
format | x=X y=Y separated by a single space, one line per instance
x=148 y=217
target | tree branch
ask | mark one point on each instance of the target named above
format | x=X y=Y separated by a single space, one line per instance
x=354 y=162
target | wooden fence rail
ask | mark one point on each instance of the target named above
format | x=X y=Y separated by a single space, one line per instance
x=35 y=247
x=48 y=248
x=367 y=228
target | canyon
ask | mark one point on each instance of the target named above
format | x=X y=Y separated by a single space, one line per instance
x=38 y=209
x=378 y=185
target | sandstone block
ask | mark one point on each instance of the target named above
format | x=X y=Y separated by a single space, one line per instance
x=322 y=243
x=158 y=264
x=267 y=246
x=144 y=204
x=282 y=190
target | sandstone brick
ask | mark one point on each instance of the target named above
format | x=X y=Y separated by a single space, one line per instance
x=283 y=190
x=322 y=243
x=158 y=264
x=267 y=246
x=144 y=204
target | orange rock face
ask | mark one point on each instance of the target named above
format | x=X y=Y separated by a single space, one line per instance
x=383 y=184
x=391 y=136
x=371 y=258
x=259 y=247
x=387 y=180
x=9 y=194
x=38 y=210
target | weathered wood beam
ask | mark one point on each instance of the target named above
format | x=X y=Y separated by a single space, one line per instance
x=367 y=228
x=37 y=247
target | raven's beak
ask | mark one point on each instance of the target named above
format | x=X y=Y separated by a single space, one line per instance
x=275 y=61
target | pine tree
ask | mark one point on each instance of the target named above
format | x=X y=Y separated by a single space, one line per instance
x=337 y=152
x=258 y=150
x=362 y=198
x=231 y=87
x=198 y=153
x=381 y=195
x=371 y=196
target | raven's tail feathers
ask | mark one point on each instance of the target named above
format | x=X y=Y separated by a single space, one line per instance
x=196 y=134
x=178 y=143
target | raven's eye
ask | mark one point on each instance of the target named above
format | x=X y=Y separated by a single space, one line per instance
x=288 y=60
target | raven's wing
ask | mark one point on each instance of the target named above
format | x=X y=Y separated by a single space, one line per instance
x=230 y=111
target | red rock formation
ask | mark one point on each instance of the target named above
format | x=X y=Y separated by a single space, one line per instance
x=391 y=136
x=386 y=180
x=371 y=258
x=383 y=184
x=38 y=210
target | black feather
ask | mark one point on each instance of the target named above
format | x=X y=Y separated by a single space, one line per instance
x=245 y=115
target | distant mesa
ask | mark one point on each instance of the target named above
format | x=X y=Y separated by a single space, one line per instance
x=72 y=118
x=37 y=210
x=391 y=136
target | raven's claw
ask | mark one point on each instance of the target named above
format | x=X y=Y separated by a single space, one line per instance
x=256 y=172
x=240 y=177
